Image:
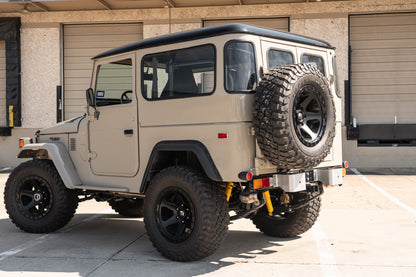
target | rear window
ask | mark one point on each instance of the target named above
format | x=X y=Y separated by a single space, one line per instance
x=181 y=73
x=240 y=67
x=277 y=58
x=315 y=60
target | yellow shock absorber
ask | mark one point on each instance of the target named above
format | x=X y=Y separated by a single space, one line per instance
x=228 y=190
x=269 y=204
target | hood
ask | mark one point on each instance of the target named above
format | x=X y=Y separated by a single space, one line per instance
x=68 y=126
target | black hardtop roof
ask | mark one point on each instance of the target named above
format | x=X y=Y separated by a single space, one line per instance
x=235 y=28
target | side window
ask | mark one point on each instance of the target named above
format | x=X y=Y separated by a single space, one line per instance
x=177 y=74
x=277 y=58
x=114 y=83
x=315 y=60
x=240 y=67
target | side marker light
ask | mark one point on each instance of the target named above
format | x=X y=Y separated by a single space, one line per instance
x=222 y=135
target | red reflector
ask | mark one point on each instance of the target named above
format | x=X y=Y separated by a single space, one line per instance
x=222 y=135
x=265 y=182
x=249 y=176
x=345 y=164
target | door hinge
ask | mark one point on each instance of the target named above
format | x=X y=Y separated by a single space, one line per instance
x=92 y=156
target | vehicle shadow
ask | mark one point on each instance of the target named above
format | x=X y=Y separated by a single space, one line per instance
x=112 y=245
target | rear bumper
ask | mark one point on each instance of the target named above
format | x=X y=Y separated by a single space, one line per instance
x=298 y=181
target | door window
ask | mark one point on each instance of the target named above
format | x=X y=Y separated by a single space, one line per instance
x=114 y=83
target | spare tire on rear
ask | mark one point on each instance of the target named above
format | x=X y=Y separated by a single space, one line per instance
x=294 y=116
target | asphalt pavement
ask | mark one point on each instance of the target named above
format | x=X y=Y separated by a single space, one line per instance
x=367 y=227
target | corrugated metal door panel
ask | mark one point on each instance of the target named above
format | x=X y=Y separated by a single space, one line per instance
x=383 y=67
x=281 y=24
x=81 y=43
x=3 y=117
x=376 y=107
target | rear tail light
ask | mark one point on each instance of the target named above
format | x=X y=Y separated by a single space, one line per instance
x=264 y=183
x=245 y=176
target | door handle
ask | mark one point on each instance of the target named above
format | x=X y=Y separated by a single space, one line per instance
x=128 y=132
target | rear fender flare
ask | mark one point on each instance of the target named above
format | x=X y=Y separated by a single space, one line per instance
x=195 y=147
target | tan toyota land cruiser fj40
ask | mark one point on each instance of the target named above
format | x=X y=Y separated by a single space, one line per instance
x=192 y=130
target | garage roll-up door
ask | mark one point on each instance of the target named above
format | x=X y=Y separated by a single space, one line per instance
x=81 y=42
x=383 y=68
x=281 y=24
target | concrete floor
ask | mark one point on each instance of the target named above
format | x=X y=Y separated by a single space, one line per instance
x=366 y=228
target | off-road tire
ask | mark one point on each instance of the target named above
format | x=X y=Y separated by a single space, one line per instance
x=290 y=224
x=286 y=124
x=38 y=179
x=203 y=205
x=128 y=207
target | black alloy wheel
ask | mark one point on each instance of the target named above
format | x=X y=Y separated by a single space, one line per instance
x=309 y=115
x=175 y=215
x=34 y=197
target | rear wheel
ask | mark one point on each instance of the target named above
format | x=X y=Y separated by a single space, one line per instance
x=185 y=214
x=36 y=199
x=129 y=207
x=289 y=224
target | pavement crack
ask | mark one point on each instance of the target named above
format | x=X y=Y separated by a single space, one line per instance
x=110 y=258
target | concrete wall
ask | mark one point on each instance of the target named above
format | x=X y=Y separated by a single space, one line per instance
x=41 y=50
x=41 y=69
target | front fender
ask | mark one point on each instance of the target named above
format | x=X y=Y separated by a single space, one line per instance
x=59 y=155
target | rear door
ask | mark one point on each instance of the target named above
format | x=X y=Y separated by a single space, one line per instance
x=113 y=136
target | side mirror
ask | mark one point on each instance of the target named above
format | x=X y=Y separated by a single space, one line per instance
x=91 y=102
x=90 y=97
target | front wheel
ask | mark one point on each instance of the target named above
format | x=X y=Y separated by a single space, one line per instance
x=289 y=224
x=185 y=214
x=36 y=199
